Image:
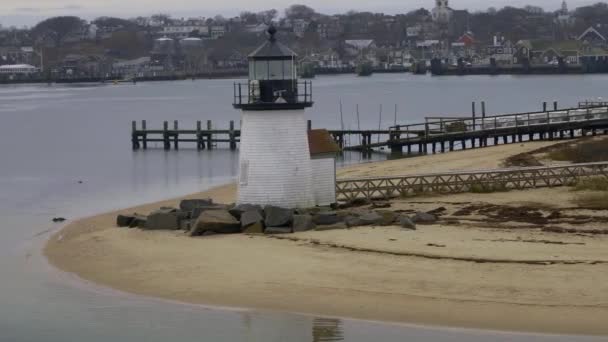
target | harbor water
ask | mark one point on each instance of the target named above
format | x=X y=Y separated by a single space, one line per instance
x=65 y=151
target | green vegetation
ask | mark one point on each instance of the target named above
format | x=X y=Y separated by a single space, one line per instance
x=592 y=184
x=584 y=152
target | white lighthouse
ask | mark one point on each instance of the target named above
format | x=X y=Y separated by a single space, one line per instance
x=274 y=163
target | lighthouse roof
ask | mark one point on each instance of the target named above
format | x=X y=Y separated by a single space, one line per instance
x=272 y=49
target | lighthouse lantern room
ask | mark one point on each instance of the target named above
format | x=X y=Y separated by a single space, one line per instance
x=274 y=161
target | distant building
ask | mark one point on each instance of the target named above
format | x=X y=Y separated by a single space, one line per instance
x=18 y=69
x=441 y=13
x=595 y=35
x=134 y=67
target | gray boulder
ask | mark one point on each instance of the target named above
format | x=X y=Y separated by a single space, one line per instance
x=327 y=218
x=190 y=204
x=353 y=221
x=371 y=218
x=186 y=224
x=277 y=217
x=388 y=217
x=124 y=220
x=302 y=223
x=217 y=221
x=424 y=218
x=196 y=212
x=406 y=222
x=256 y=228
x=166 y=218
x=239 y=209
x=249 y=218
x=278 y=230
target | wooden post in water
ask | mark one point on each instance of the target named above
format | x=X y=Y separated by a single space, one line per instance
x=544 y=106
x=209 y=136
x=134 y=139
x=554 y=105
x=483 y=109
x=200 y=143
x=309 y=123
x=144 y=136
x=175 y=135
x=166 y=144
x=232 y=136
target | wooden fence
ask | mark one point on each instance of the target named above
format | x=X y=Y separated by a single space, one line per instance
x=467 y=181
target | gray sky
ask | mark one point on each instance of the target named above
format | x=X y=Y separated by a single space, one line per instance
x=28 y=12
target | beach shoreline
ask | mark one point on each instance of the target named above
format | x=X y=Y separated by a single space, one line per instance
x=294 y=275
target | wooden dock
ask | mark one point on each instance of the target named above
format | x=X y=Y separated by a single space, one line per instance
x=435 y=135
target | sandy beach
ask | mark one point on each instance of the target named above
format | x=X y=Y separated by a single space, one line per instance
x=478 y=269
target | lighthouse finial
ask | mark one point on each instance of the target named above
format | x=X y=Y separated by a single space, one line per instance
x=272 y=31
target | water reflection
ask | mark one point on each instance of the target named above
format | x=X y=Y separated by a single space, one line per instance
x=327 y=329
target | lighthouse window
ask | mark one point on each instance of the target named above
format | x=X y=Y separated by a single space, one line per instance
x=276 y=70
x=261 y=70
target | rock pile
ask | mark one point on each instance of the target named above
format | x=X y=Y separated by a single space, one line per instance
x=202 y=217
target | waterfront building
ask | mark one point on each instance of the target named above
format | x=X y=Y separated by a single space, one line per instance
x=275 y=167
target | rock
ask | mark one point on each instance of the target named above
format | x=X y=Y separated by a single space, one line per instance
x=196 y=212
x=381 y=204
x=190 y=204
x=58 y=219
x=371 y=219
x=277 y=217
x=124 y=220
x=249 y=218
x=353 y=221
x=256 y=228
x=339 y=225
x=326 y=218
x=388 y=217
x=424 y=218
x=165 y=218
x=218 y=221
x=238 y=210
x=186 y=224
x=277 y=230
x=302 y=223
x=139 y=221
x=406 y=222
x=355 y=202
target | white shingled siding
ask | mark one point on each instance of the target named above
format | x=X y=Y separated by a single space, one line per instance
x=324 y=180
x=275 y=166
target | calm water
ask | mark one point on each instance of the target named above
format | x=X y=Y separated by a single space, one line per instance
x=52 y=137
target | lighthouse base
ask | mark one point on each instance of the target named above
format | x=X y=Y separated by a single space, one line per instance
x=274 y=161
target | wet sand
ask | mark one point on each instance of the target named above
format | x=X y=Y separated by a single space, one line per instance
x=477 y=273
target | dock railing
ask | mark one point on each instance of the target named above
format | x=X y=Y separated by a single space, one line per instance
x=445 y=126
x=467 y=181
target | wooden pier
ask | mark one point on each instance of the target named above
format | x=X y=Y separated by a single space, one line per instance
x=442 y=134
x=435 y=135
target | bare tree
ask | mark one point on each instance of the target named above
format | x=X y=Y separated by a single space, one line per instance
x=57 y=28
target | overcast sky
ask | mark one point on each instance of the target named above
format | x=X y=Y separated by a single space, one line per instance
x=28 y=12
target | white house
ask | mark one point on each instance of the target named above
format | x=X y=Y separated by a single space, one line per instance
x=323 y=150
x=18 y=69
